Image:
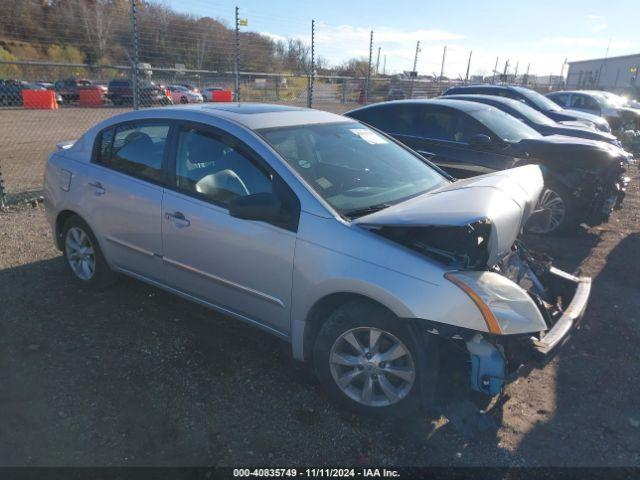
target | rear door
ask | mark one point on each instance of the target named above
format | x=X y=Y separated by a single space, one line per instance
x=122 y=194
x=243 y=267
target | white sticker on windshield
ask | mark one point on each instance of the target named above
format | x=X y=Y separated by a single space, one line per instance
x=369 y=136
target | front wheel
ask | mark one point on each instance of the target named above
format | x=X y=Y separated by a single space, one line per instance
x=371 y=362
x=554 y=212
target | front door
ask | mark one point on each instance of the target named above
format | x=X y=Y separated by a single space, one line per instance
x=242 y=267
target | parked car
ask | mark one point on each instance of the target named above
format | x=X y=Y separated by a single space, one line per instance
x=396 y=94
x=584 y=179
x=181 y=94
x=207 y=93
x=620 y=117
x=393 y=261
x=69 y=88
x=534 y=100
x=536 y=120
x=11 y=91
x=120 y=92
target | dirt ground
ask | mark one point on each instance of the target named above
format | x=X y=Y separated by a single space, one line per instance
x=135 y=376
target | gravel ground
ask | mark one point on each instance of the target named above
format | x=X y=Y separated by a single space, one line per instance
x=135 y=376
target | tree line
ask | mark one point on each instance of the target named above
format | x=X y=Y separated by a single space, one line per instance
x=100 y=32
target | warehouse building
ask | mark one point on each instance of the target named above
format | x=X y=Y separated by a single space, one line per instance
x=613 y=73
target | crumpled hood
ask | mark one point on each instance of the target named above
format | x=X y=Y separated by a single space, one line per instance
x=506 y=199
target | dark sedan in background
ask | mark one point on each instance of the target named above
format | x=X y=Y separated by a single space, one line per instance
x=534 y=100
x=584 y=179
x=538 y=121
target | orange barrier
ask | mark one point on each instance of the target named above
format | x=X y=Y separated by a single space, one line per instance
x=222 y=96
x=90 y=97
x=39 y=99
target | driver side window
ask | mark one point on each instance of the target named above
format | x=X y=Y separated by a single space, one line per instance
x=209 y=167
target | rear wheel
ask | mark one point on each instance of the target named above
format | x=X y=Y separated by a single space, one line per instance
x=371 y=362
x=83 y=255
x=554 y=212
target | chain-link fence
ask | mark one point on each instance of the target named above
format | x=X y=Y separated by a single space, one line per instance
x=65 y=66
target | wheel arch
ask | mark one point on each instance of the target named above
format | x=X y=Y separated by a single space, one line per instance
x=319 y=313
x=61 y=218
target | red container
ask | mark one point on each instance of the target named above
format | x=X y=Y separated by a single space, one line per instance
x=39 y=99
x=91 y=97
x=222 y=96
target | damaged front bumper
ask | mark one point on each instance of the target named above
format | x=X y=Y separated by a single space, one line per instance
x=497 y=360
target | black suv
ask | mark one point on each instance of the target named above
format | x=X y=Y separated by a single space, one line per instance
x=120 y=92
x=534 y=100
x=584 y=179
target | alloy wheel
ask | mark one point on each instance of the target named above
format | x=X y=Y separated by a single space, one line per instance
x=80 y=253
x=549 y=213
x=372 y=367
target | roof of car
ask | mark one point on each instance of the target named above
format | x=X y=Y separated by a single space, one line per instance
x=464 y=105
x=487 y=98
x=256 y=116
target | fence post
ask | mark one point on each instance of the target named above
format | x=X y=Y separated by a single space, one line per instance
x=134 y=33
x=368 y=79
x=237 y=57
x=344 y=91
x=2 y=193
x=413 y=72
x=312 y=73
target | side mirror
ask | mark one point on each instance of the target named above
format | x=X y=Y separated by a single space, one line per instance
x=259 y=206
x=481 y=141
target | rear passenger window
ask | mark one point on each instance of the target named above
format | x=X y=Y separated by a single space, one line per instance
x=135 y=149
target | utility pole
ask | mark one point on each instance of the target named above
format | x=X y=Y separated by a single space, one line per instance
x=378 y=61
x=466 y=77
x=562 y=71
x=506 y=69
x=526 y=75
x=495 y=69
x=414 y=72
x=368 y=80
x=313 y=65
x=444 y=55
x=515 y=74
x=384 y=66
x=134 y=32
x=236 y=66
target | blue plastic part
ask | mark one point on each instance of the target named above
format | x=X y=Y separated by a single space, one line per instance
x=487 y=367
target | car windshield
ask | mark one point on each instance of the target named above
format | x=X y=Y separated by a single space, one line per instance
x=503 y=125
x=355 y=169
x=540 y=101
x=531 y=114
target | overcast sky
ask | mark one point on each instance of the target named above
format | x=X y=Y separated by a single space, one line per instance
x=542 y=33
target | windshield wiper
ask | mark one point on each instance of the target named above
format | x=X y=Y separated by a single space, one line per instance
x=359 y=212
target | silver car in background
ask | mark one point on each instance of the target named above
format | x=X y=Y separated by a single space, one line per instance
x=366 y=258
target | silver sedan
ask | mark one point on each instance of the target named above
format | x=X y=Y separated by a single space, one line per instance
x=366 y=258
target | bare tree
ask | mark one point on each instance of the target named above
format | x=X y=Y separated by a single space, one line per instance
x=96 y=19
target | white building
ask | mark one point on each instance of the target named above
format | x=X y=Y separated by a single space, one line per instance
x=613 y=73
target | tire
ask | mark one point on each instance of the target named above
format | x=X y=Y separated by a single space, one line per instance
x=93 y=271
x=401 y=395
x=184 y=100
x=556 y=196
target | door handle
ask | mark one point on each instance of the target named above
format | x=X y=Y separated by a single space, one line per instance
x=178 y=219
x=98 y=188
